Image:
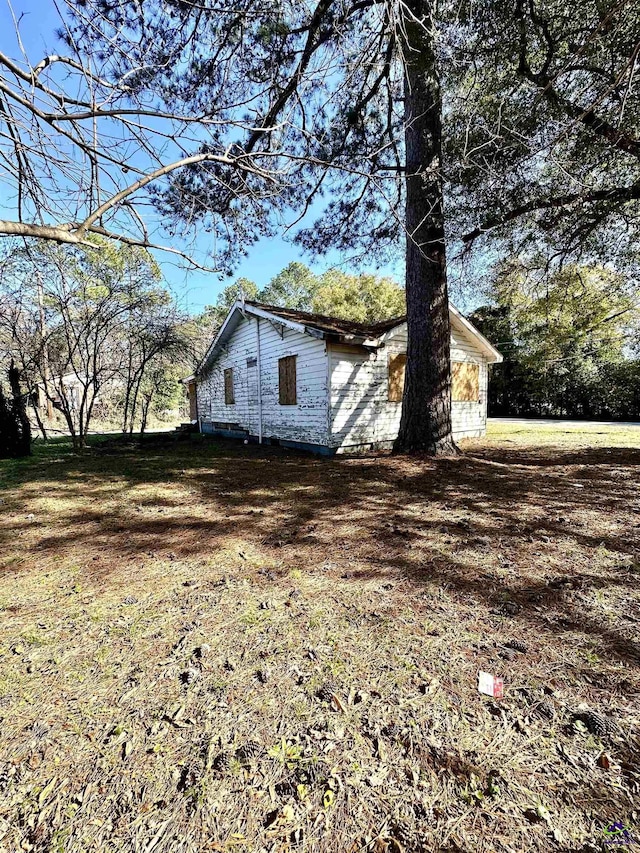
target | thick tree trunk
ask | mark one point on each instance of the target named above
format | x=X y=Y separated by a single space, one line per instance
x=425 y=425
x=19 y=406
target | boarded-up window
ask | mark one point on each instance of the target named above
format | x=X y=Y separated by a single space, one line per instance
x=287 y=379
x=229 y=399
x=465 y=382
x=397 y=364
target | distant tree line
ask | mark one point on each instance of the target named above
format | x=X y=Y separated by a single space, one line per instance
x=102 y=318
x=363 y=298
x=87 y=331
x=570 y=341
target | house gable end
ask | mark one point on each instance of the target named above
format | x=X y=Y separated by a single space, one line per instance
x=232 y=320
x=265 y=379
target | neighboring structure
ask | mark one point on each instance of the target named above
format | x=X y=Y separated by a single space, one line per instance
x=71 y=384
x=68 y=390
x=328 y=385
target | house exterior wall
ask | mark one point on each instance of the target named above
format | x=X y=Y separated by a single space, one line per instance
x=361 y=413
x=306 y=421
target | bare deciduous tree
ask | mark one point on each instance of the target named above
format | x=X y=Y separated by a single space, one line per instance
x=89 y=299
x=154 y=332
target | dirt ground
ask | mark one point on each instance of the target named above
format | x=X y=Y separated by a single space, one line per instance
x=207 y=646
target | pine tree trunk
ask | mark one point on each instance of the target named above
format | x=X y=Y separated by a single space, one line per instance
x=425 y=425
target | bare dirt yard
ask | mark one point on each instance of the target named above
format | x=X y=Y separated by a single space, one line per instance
x=207 y=646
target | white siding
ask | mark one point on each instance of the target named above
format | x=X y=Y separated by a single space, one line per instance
x=307 y=421
x=360 y=411
x=469 y=419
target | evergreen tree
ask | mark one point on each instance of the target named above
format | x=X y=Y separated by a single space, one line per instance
x=15 y=429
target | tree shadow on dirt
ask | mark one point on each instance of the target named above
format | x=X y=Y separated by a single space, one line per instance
x=542 y=529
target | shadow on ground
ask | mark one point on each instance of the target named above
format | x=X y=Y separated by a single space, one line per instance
x=123 y=566
x=535 y=527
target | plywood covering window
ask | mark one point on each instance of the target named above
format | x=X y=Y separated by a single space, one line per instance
x=397 y=364
x=229 y=399
x=287 y=380
x=465 y=382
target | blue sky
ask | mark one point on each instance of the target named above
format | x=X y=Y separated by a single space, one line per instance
x=194 y=289
x=263 y=262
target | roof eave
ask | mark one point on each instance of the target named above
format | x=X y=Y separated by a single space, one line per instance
x=283 y=321
x=491 y=353
x=353 y=340
x=244 y=309
x=214 y=343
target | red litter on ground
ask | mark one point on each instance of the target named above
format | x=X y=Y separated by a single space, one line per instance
x=490 y=685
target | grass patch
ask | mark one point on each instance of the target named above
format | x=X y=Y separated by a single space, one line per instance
x=206 y=646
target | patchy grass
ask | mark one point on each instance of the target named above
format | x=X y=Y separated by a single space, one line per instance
x=565 y=435
x=205 y=646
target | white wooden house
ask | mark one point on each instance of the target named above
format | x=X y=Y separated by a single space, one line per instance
x=327 y=385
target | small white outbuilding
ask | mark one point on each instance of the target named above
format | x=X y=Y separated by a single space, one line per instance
x=304 y=380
